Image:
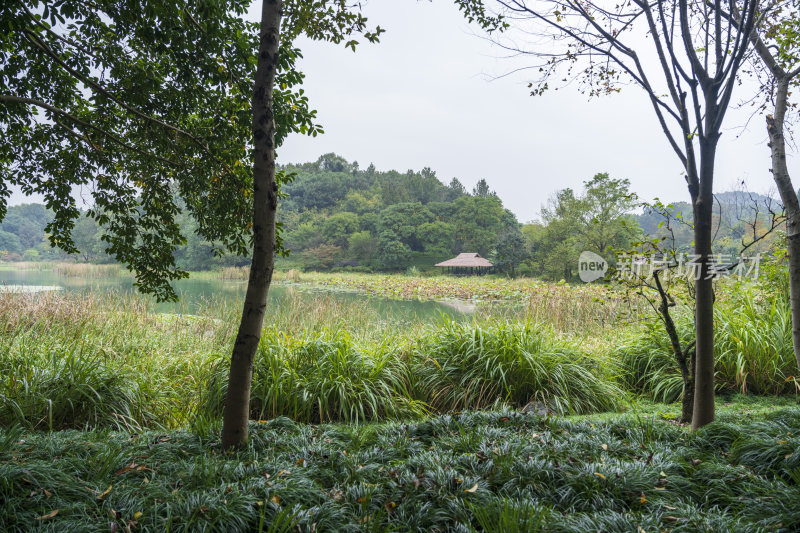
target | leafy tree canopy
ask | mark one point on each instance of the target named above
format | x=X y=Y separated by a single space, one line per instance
x=145 y=103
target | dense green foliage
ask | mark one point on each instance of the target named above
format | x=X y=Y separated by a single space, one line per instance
x=599 y=220
x=118 y=372
x=322 y=378
x=753 y=346
x=337 y=214
x=78 y=361
x=147 y=106
x=114 y=97
x=466 y=367
x=496 y=472
x=338 y=217
x=334 y=215
x=607 y=219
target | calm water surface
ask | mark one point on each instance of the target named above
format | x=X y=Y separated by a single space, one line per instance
x=196 y=293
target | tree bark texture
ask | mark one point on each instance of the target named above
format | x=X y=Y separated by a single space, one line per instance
x=780 y=172
x=265 y=201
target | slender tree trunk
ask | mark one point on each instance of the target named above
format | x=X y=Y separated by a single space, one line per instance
x=265 y=201
x=687 y=403
x=703 y=412
x=683 y=357
x=777 y=143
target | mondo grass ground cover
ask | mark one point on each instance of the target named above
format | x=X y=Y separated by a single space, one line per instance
x=499 y=471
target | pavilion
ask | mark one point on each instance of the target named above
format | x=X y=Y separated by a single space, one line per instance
x=466 y=263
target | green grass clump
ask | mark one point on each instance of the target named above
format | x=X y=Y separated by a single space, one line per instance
x=476 y=471
x=324 y=377
x=332 y=377
x=648 y=365
x=81 y=361
x=752 y=348
x=57 y=388
x=459 y=366
x=87 y=361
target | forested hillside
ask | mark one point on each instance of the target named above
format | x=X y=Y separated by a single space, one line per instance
x=336 y=215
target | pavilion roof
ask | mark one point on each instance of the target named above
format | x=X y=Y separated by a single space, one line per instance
x=468 y=259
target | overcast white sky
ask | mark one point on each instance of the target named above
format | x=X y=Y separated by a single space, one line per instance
x=429 y=95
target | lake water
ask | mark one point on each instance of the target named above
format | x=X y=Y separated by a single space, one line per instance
x=193 y=292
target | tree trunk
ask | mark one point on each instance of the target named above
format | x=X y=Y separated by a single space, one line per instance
x=685 y=358
x=703 y=201
x=687 y=403
x=777 y=143
x=265 y=201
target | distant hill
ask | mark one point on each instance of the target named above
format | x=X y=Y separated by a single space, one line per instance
x=334 y=214
x=735 y=212
x=337 y=214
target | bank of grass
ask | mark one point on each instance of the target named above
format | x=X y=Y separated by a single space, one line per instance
x=476 y=471
x=91 y=360
x=98 y=361
x=110 y=419
x=68 y=268
x=753 y=350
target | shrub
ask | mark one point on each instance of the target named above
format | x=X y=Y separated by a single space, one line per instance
x=647 y=362
x=78 y=361
x=69 y=387
x=754 y=347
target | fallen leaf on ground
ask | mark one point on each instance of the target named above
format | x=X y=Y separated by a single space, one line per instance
x=124 y=469
x=51 y=514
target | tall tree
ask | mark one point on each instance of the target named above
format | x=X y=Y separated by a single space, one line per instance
x=510 y=251
x=331 y=20
x=695 y=56
x=138 y=101
x=607 y=223
x=777 y=45
x=265 y=201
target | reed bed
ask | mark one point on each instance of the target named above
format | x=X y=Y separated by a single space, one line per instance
x=69 y=269
x=570 y=309
x=81 y=360
x=89 y=270
x=233 y=273
x=86 y=360
x=27 y=265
